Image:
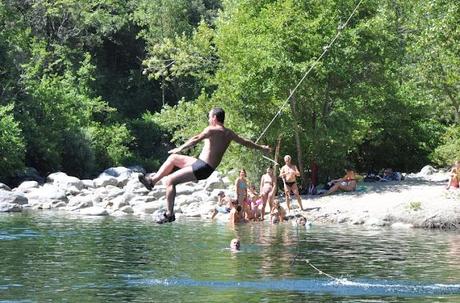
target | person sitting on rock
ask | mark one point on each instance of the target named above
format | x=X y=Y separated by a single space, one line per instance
x=454 y=177
x=347 y=183
x=224 y=205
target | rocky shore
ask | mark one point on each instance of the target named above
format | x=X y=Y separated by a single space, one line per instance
x=420 y=201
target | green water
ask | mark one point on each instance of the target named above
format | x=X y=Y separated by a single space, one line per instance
x=47 y=257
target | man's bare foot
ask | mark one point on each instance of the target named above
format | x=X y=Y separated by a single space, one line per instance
x=146 y=181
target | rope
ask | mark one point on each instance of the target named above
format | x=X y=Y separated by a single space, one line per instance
x=325 y=49
x=337 y=280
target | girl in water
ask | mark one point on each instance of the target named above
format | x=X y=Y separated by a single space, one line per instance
x=256 y=203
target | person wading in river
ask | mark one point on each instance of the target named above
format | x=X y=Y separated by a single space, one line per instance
x=216 y=139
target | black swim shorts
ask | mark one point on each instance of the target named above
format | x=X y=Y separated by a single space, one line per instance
x=201 y=169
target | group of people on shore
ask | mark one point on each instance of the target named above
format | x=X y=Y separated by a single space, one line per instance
x=251 y=205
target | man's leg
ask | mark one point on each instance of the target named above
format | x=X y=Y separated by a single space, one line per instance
x=181 y=176
x=175 y=160
x=287 y=192
x=295 y=189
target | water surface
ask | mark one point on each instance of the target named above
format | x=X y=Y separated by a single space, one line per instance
x=66 y=258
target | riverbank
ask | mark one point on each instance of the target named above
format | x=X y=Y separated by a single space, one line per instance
x=420 y=201
x=415 y=202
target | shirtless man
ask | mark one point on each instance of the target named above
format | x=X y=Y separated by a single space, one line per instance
x=216 y=139
x=288 y=173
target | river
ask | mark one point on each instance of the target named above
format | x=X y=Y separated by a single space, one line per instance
x=60 y=257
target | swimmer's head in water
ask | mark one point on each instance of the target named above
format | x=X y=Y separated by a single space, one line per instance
x=301 y=221
x=275 y=219
x=235 y=244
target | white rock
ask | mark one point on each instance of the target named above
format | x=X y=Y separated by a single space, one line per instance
x=105 y=180
x=214 y=181
x=12 y=197
x=64 y=181
x=48 y=193
x=401 y=225
x=147 y=208
x=427 y=170
x=88 y=183
x=185 y=189
x=94 y=211
x=4 y=187
x=10 y=207
x=27 y=186
x=127 y=209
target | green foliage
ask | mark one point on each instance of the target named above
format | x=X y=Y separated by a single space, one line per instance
x=449 y=150
x=12 y=147
x=110 y=144
x=88 y=79
x=415 y=206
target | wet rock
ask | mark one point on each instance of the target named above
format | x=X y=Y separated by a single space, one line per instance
x=94 y=211
x=12 y=197
x=10 y=207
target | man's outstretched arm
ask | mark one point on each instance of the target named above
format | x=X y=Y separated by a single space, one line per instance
x=249 y=143
x=190 y=142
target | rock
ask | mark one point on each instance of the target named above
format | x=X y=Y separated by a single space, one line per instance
x=94 y=211
x=4 y=187
x=185 y=189
x=80 y=201
x=88 y=183
x=121 y=174
x=113 y=192
x=158 y=192
x=401 y=225
x=103 y=181
x=135 y=187
x=214 y=181
x=48 y=193
x=427 y=170
x=127 y=209
x=68 y=183
x=59 y=204
x=10 y=207
x=9 y=197
x=27 y=186
x=374 y=222
x=26 y=174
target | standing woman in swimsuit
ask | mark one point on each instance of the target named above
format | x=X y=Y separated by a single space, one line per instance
x=289 y=172
x=241 y=188
x=267 y=182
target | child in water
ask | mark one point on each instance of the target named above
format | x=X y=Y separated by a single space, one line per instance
x=256 y=203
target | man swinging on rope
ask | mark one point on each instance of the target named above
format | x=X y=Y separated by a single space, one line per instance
x=216 y=139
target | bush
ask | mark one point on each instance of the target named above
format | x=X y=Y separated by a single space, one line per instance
x=449 y=149
x=110 y=144
x=12 y=147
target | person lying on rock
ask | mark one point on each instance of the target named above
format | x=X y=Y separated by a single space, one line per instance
x=216 y=140
x=347 y=183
